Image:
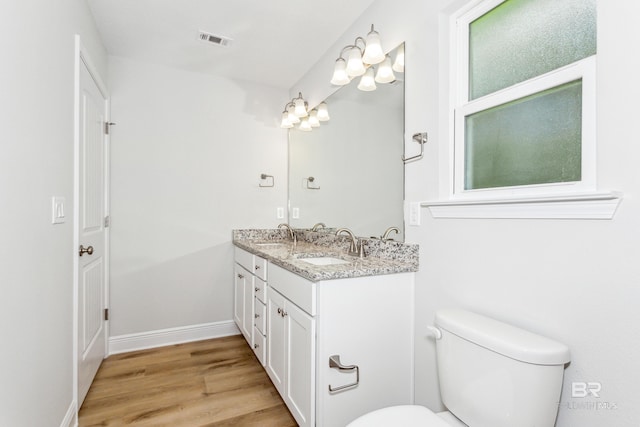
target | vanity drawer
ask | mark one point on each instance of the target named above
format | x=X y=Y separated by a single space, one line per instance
x=259 y=267
x=298 y=290
x=244 y=258
x=259 y=346
x=260 y=316
x=260 y=290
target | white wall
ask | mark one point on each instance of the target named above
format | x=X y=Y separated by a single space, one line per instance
x=36 y=162
x=572 y=280
x=187 y=153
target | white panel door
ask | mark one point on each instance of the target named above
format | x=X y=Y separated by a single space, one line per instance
x=91 y=232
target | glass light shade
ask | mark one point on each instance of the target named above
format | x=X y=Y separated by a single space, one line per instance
x=385 y=73
x=305 y=126
x=285 y=124
x=323 y=112
x=313 y=119
x=300 y=109
x=340 y=77
x=293 y=119
x=373 y=53
x=398 y=64
x=355 y=67
x=367 y=82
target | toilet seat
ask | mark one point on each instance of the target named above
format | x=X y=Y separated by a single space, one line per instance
x=403 y=415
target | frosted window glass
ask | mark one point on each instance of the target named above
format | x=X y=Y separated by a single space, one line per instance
x=532 y=140
x=521 y=39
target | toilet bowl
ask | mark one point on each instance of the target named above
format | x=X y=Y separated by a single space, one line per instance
x=407 y=416
x=491 y=374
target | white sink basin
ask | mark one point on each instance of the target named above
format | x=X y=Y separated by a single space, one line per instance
x=325 y=260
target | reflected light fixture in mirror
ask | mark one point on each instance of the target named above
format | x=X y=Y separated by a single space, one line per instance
x=361 y=62
x=367 y=82
x=366 y=128
x=297 y=111
x=398 y=64
x=323 y=112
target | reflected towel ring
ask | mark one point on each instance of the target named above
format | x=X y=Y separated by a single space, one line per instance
x=311 y=179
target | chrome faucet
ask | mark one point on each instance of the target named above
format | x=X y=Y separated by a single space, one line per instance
x=385 y=236
x=318 y=226
x=356 y=247
x=292 y=233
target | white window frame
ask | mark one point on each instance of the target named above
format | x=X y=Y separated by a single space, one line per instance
x=584 y=69
x=579 y=200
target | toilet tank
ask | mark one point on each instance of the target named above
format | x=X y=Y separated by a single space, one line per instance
x=496 y=375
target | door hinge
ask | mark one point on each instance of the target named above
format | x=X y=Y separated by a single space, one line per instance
x=106 y=314
x=108 y=125
x=107 y=221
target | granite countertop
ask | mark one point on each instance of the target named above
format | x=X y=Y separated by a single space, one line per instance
x=383 y=257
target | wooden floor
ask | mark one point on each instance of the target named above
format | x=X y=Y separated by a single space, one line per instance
x=206 y=383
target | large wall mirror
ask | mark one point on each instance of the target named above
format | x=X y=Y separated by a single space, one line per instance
x=349 y=172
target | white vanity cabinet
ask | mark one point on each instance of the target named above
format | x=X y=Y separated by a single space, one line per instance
x=249 y=309
x=365 y=321
x=291 y=355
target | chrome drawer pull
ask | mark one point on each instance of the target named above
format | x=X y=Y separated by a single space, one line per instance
x=334 y=362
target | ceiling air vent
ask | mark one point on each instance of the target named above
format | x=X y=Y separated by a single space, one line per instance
x=213 y=39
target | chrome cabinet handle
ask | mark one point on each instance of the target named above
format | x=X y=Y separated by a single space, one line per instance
x=257 y=289
x=240 y=276
x=256 y=316
x=257 y=267
x=88 y=250
x=334 y=362
x=279 y=311
x=256 y=346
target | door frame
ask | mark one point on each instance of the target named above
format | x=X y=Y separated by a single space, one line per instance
x=82 y=56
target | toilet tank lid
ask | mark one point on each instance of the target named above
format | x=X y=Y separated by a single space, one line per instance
x=502 y=338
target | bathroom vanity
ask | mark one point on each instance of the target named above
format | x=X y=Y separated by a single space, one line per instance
x=334 y=332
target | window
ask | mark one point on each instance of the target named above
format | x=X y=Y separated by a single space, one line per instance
x=524 y=102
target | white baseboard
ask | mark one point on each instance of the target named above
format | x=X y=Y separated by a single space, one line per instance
x=163 y=337
x=70 y=419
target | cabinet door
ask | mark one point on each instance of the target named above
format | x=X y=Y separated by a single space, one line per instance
x=300 y=364
x=240 y=278
x=276 y=339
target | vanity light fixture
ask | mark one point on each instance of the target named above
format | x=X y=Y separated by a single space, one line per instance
x=297 y=111
x=362 y=56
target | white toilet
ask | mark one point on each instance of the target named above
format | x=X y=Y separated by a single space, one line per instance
x=491 y=375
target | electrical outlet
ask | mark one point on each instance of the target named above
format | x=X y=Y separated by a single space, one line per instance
x=280 y=213
x=295 y=213
x=414 y=213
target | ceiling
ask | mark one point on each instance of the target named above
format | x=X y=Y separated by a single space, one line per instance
x=275 y=42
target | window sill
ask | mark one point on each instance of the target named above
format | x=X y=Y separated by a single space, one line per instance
x=600 y=205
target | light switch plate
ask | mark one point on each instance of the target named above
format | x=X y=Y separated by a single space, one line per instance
x=57 y=210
